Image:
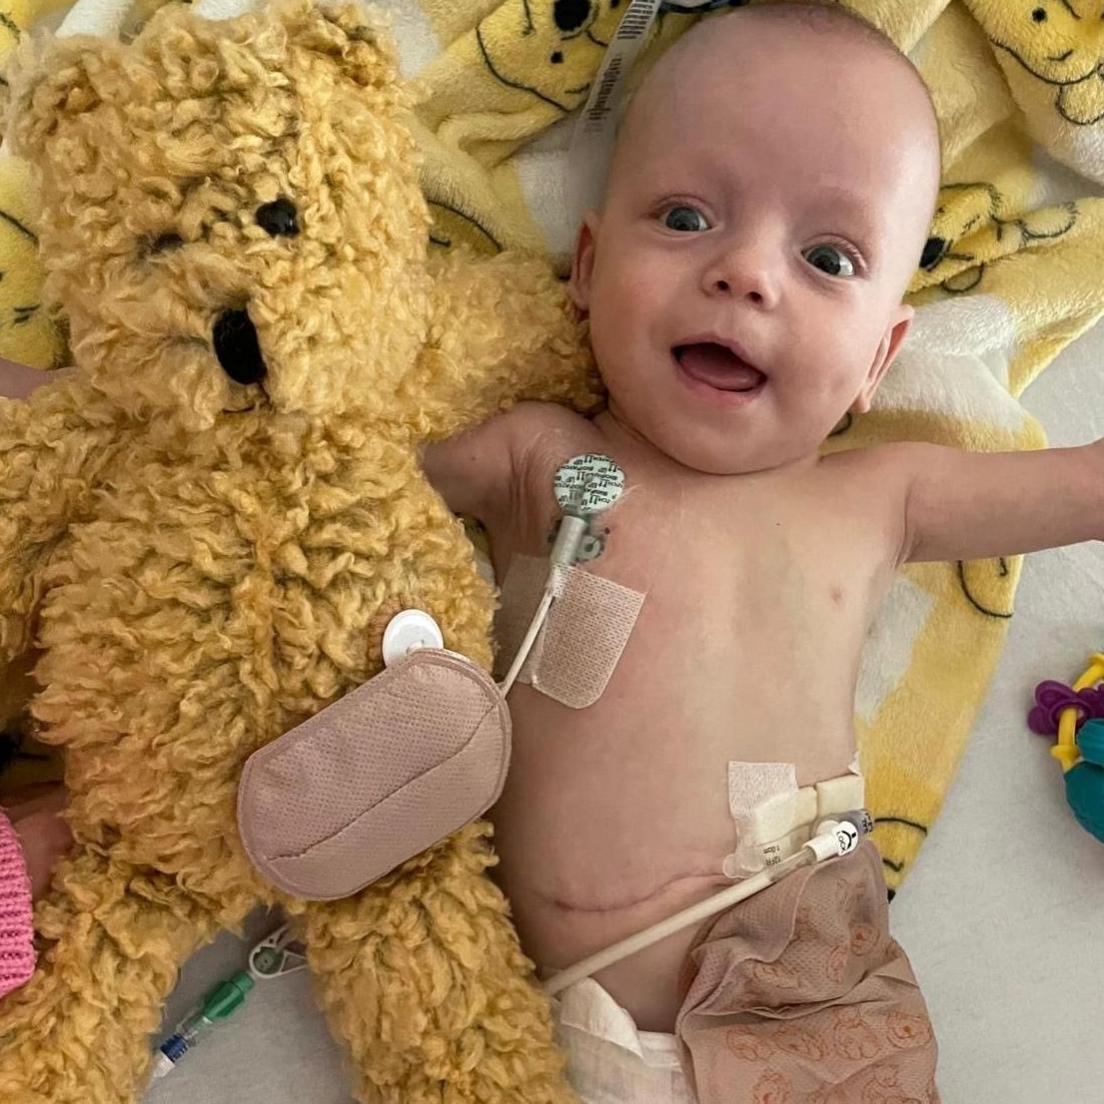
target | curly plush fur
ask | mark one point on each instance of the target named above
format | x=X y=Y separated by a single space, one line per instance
x=203 y=563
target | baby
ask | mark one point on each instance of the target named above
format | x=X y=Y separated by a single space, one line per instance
x=743 y=279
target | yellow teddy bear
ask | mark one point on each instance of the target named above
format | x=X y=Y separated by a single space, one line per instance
x=206 y=526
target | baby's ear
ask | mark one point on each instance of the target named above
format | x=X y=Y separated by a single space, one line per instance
x=886 y=354
x=582 y=263
x=49 y=83
x=359 y=41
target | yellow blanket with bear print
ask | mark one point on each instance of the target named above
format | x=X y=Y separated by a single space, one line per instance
x=1013 y=271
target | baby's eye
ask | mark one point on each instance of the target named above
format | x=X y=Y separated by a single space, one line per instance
x=687 y=220
x=831 y=260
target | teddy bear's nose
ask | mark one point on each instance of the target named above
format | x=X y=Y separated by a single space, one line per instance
x=237 y=348
x=279 y=218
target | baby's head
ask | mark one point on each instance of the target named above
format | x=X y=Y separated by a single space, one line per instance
x=768 y=200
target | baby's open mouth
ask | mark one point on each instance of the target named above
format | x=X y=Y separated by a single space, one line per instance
x=718 y=366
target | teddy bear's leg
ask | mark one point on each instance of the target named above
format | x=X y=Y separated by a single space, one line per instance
x=422 y=979
x=79 y=1031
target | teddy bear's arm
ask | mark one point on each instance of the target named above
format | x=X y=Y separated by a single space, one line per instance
x=52 y=446
x=502 y=330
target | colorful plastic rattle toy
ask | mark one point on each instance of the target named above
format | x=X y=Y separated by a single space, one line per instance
x=1076 y=715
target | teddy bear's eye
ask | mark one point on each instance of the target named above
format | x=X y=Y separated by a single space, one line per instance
x=1039 y=15
x=164 y=243
x=279 y=218
x=570 y=15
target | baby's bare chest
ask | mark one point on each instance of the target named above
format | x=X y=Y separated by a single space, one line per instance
x=751 y=609
x=768 y=576
x=755 y=601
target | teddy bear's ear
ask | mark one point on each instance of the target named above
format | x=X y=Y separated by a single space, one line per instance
x=357 y=40
x=46 y=84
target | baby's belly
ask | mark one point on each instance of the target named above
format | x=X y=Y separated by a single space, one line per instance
x=615 y=817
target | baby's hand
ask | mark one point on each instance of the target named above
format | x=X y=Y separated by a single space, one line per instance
x=44 y=835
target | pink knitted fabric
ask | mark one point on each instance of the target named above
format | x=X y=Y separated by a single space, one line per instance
x=17 y=956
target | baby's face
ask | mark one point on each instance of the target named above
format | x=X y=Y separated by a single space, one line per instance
x=767 y=205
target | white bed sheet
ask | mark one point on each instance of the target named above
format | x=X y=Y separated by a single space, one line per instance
x=1003 y=916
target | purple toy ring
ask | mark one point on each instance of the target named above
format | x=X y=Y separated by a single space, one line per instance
x=1053 y=698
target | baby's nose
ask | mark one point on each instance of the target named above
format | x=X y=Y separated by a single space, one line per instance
x=724 y=287
x=741 y=274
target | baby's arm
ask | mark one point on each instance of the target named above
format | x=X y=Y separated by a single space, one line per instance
x=965 y=505
x=40 y=832
x=17 y=954
x=480 y=472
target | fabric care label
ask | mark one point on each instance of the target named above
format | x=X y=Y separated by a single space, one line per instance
x=592 y=138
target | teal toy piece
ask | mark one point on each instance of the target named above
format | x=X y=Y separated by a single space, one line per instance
x=1075 y=714
x=1090 y=740
x=1085 y=782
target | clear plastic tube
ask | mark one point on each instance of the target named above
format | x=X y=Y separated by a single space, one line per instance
x=568 y=538
x=219 y=1004
x=694 y=914
x=833 y=837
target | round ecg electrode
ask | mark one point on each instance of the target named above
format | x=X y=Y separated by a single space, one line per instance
x=588 y=484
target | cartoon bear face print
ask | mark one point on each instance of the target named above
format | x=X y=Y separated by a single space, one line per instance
x=973 y=226
x=549 y=48
x=1060 y=42
x=1051 y=39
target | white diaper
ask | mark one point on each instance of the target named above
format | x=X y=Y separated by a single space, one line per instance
x=609 y=1061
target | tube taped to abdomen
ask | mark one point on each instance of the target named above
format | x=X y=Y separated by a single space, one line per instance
x=581 y=643
x=774 y=818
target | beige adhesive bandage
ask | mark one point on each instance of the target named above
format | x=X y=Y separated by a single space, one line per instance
x=580 y=644
x=774 y=818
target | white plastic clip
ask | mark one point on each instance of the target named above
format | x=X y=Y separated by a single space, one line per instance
x=277 y=955
x=834 y=838
x=408 y=631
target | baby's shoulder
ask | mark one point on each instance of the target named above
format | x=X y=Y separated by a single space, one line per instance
x=546 y=437
x=484 y=470
x=869 y=469
x=544 y=434
x=541 y=418
x=865 y=491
